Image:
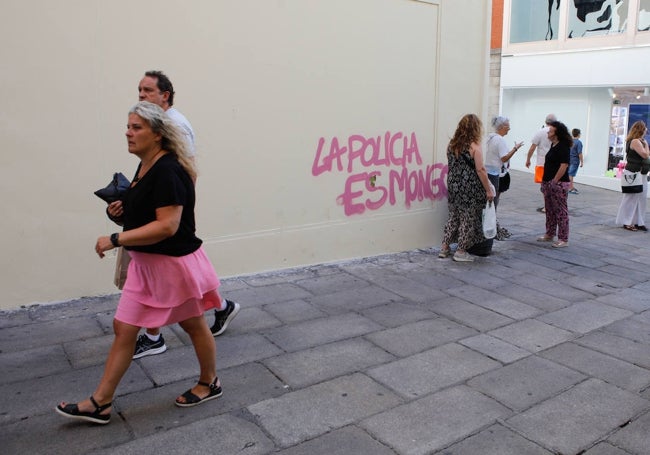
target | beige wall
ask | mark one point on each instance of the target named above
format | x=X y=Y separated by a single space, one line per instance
x=263 y=83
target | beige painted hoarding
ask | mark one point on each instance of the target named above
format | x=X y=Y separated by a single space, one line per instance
x=321 y=126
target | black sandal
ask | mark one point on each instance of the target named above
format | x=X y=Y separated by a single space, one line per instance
x=641 y=228
x=72 y=411
x=629 y=228
x=193 y=400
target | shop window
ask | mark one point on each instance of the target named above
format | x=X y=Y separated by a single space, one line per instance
x=597 y=17
x=644 y=15
x=534 y=20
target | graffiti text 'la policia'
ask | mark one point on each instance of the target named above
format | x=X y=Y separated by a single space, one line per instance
x=362 y=158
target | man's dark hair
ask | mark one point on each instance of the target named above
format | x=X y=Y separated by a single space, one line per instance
x=163 y=83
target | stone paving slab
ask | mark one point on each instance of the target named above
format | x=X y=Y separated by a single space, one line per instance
x=222 y=434
x=433 y=422
x=495 y=302
x=628 y=299
x=604 y=448
x=40 y=334
x=319 y=331
x=532 y=335
x=293 y=311
x=622 y=348
x=526 y=382
x=153 y=410
x=495 y=348
x=419 y=336
x=33 y=363
x=584 y=317
x=49 y=434
x=311 y=366
x=615 y=371
x=345 y=441
x=398 y=314
x=496 y=440
x=317 y=409
x=422 y=374
x=635 y=437
x=579 y=417
x=469 y=314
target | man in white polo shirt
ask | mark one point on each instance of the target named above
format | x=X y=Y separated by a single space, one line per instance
x=542 y=145
x=156 y=88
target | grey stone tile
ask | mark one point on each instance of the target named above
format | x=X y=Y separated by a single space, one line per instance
x=291 y=418
x=534 y=298
x=593 y=287
x=627 y=299
x=469 y=314
x=294 y=311
x=622 y=374
x=584 y=317
x=495 y=348
x=436 y=421
x=622 y=348
x=579 y=417
x=419 y=336
x=14 y=318
x=263 y=295
x=325 y=284
x=250 y=320
x=526 y=382
x=495 y=302
x=279 y=277
x=592 y=273
x=303 y=368
x=532 y=335
x=53 y=434
x=93 y=351
x=635 y=437
x=33 y=363
x=396 y=314
x=239 y=349
x=551 y=287
x=495 y=440
x=85 y=307
x=345 y=441
x=435 y=280
x=604 y=448
x=320 y=331
x=421 y=374
x=354 y=300
x=228 y=433
x=35 y=335
x=153 y=410
x=26 y=398
x=411 y=289
x=634 y=329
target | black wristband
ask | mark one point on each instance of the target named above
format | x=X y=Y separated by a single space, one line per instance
x=115 y=239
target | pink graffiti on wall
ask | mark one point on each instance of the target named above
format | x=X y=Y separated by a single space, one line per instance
x=405 y=176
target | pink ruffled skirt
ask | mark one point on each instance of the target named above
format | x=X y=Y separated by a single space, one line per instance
x=162 y=290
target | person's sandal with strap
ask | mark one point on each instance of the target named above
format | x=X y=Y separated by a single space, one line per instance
x=192 y=400
x=72 y=411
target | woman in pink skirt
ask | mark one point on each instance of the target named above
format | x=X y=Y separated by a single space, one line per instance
x=170 y=279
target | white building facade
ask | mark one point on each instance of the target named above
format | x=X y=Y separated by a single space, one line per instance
x=586 y=61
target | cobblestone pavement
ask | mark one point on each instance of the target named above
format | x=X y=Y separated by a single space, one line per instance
x=532 y=350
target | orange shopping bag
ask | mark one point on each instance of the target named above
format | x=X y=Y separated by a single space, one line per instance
x=539 y=173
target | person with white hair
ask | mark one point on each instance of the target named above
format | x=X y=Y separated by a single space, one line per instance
x=497 y=162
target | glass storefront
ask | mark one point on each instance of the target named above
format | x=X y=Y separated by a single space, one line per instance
x=597 y=17
x=534 y=20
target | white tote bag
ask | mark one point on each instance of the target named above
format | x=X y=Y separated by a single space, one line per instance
x=489 y=220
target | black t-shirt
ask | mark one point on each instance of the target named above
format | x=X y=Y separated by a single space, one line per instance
x=165 y=184
x=558 y=154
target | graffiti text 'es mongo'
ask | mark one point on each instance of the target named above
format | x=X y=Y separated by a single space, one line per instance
x=364 y=189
